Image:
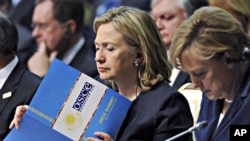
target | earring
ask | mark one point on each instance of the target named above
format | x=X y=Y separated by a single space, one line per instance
x=136 y=63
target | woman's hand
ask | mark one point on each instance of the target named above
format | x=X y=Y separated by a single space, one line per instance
x=20 y=110
x=102 y=135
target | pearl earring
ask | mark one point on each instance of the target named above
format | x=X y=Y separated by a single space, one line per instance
x=136 y=63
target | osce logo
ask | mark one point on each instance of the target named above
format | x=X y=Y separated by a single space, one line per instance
x=83 y=96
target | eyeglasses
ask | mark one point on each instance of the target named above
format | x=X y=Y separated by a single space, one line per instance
x=45 y=26
x=41 y=26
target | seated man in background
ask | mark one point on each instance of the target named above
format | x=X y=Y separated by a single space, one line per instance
x=58 y=30
x=168 y=15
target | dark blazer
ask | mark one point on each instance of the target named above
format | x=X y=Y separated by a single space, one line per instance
x=156 y=115
x=22 y=84
x=84 y=61
x=181 y=79
x=238 y=113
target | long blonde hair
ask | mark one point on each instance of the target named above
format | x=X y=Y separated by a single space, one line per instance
x=140 y=32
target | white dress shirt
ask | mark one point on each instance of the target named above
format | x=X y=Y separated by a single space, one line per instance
x=5 y=72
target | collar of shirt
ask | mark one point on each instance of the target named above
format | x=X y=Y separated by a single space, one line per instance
x=5 y=72
x=71 y=53
x=173 y=76
x=174 y=73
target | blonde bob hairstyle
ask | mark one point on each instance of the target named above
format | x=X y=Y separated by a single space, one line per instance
x=208 y=34
x=141 y=34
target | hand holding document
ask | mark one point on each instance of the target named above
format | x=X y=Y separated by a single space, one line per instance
x=70 y=105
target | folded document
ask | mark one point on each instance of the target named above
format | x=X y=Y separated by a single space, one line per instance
x=70 y=105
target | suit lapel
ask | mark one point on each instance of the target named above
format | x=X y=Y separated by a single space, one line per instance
x=228 y=118
x=235 y=106
x=9 y=88
x=213 y=110
x=181 y=79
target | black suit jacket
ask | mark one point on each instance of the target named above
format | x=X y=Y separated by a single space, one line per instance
x=237 y=114
x=181 y=79
x=22 y=84
x=156 y=115
x=84 y=60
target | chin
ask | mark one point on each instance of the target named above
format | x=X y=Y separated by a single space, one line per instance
x=212 y=97
x=103 y=77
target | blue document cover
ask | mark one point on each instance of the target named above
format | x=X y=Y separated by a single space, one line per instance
x=70 y=105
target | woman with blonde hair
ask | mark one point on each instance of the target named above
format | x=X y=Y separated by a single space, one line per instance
x=214 y=49
x=130 y=55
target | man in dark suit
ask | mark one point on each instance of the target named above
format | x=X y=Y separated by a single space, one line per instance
x=58 y=30
x=17 y=84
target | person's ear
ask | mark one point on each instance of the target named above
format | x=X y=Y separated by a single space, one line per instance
x=138 y=55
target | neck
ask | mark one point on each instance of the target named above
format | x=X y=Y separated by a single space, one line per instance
x=129 y=89
x=226 y=105
x=244 y=69
x=236 y=82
